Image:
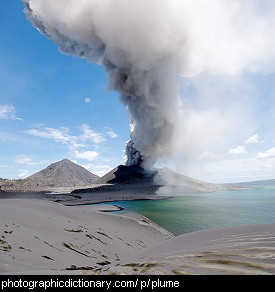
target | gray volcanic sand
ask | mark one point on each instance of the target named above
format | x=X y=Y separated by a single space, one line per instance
x=42 y=237
x=46 y=237
x=231 y=250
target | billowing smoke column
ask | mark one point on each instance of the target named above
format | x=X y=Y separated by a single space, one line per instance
x=145 y=45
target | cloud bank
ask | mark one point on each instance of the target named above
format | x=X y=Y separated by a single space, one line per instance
x=77 y=144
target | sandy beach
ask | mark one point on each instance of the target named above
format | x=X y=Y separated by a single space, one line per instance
x=43 y=237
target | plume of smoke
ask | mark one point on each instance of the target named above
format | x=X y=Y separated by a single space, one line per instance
x=145 y=45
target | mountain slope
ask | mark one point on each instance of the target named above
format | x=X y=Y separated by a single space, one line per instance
x=63 y=173
x=177 y=183
x=127 y=175
x=168 y=180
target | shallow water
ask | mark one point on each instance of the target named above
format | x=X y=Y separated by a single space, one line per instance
x=187 y=213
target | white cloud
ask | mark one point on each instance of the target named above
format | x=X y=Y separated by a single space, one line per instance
x=112 y=134
x=28 y=160
x=64 y=136
x=252 y=139
x=267 y=154
x=22 y=159
x=236 y=169
x=7 y=112
x=91 y=135
x=98 y=169
x=238 y=150
x=88 y=155
x=87 y=138
x=87 y=100
x=58 y=135
x=23 y=173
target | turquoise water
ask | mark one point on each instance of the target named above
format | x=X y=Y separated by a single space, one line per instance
x=187 y=213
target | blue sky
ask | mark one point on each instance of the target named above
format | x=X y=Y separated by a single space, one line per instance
x=54 y=106
x=60 y=97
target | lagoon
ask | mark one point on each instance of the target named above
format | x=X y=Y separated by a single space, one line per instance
x=186 y=213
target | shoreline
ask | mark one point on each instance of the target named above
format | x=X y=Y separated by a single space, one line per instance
x=97 y=196
x=104 y=193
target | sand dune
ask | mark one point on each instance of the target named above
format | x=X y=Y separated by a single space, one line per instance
x=42 y=237
x=241 y=250
x=46 y=237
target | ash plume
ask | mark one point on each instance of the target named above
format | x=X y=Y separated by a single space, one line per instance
x=145 y=45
